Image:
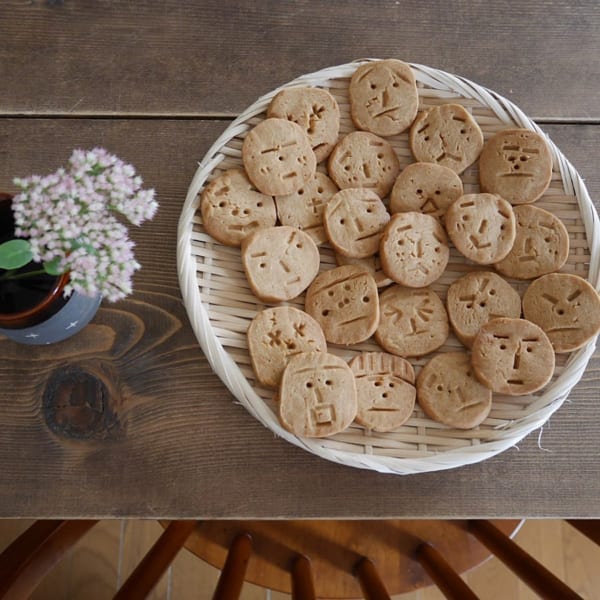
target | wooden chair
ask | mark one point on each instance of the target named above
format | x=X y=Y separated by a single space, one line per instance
x=309 y=559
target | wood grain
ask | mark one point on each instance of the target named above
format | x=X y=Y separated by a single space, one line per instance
x=216 y=57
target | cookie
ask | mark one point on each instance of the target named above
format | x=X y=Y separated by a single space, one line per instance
x=482 y=227
x=275 y=335
x=304 y=208
x=427 y=188
x=315 y=110
x=414 y=249
x=232 y=207
x=517 y=165
x=371 y=265
x=566 y=307
x=280 y=262
x=344 y=302
x=475 y=299
x=364 y=160
x=512 y=356
x=278 y=157
x=412 y=322
x=385 y=390
x=354 y=220
x=317 y=396
x=446 y=135
x=449 y=392
x=383 y=97
x=541 y=244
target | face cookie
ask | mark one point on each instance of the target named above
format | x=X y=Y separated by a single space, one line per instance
x=414 y=249
x=304 y=209
x=385 y=390
x=482 y=227
x=566 y=307
x=449 y=392
x=344 y=302
x=280 y=262
x=363 y=160
x=371 y=265
x=354 y=222
x=232 y=208
x=412 y=322
x=517 y=165
x=475 y=299
x=317 y=396
x=278 y=157
x=315 y=110
x=427 y=188
x=383 y=97
x=512 y=356
x=541 y=244
x=275 y=335
x=446 y=135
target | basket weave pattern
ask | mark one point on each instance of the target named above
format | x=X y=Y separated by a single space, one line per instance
x=221 y=305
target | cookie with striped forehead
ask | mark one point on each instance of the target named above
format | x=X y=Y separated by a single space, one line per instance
x=385 y=390
x=371 y=264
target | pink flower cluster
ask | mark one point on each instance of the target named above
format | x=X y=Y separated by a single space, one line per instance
x=68 y=216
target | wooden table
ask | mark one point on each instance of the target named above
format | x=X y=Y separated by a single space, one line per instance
x=127 y=419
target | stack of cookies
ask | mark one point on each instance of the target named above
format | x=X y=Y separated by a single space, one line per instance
x=392 y=231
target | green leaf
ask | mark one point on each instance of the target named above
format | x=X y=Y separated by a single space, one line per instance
x=52 y=267
x=15 y=254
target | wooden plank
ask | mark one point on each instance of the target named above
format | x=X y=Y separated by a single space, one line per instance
x=213 y=57
x=175 y=444
x=581 y=557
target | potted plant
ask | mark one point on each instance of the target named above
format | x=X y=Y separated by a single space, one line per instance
x=64 y=247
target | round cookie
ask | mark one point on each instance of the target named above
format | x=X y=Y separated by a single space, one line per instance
x=278 y=157
x=482 y=227
x=512 y=356
x=427 y=188
x=344 y=302
x=383 y=97
x=446 y=135
x=412 y=322
x=317 y=396
x=232 y=207
x=364 y=160
x=385 y=390
x=448 y=391
x=566 y=307
x=541 y=244
x=304 y=208
x=275 y=335
x=354 y=220
x=475 y=299
x=517 y=165
x=413 y=249
x=315 y=110
x=280 y=262
x=371 y=264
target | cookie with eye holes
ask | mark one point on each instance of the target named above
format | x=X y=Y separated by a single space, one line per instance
x=449 y=392
x=344 y=301
x=512 y=356
x=371 y=264
x=383 y=97
x=317 y=395
x=315 y=110
x=354 y=220
x=475 y=299
x=517 y=165
x=427 y=188
x=566 y=307
x=446 y=135
x=232 y=208
x=385 y=390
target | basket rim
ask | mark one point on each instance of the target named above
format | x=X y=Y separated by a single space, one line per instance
x=229 y=372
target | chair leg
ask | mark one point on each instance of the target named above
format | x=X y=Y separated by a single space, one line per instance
x=589 y=527
x=444 y=576
x=303 y=586
x=535 y=575
x=148 y=573
x=231 y=580
x=370 y=581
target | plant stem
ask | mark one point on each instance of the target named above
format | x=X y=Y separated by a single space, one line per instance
x=10 y=274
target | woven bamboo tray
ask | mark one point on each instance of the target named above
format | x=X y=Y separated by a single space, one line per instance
x=220 y=304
